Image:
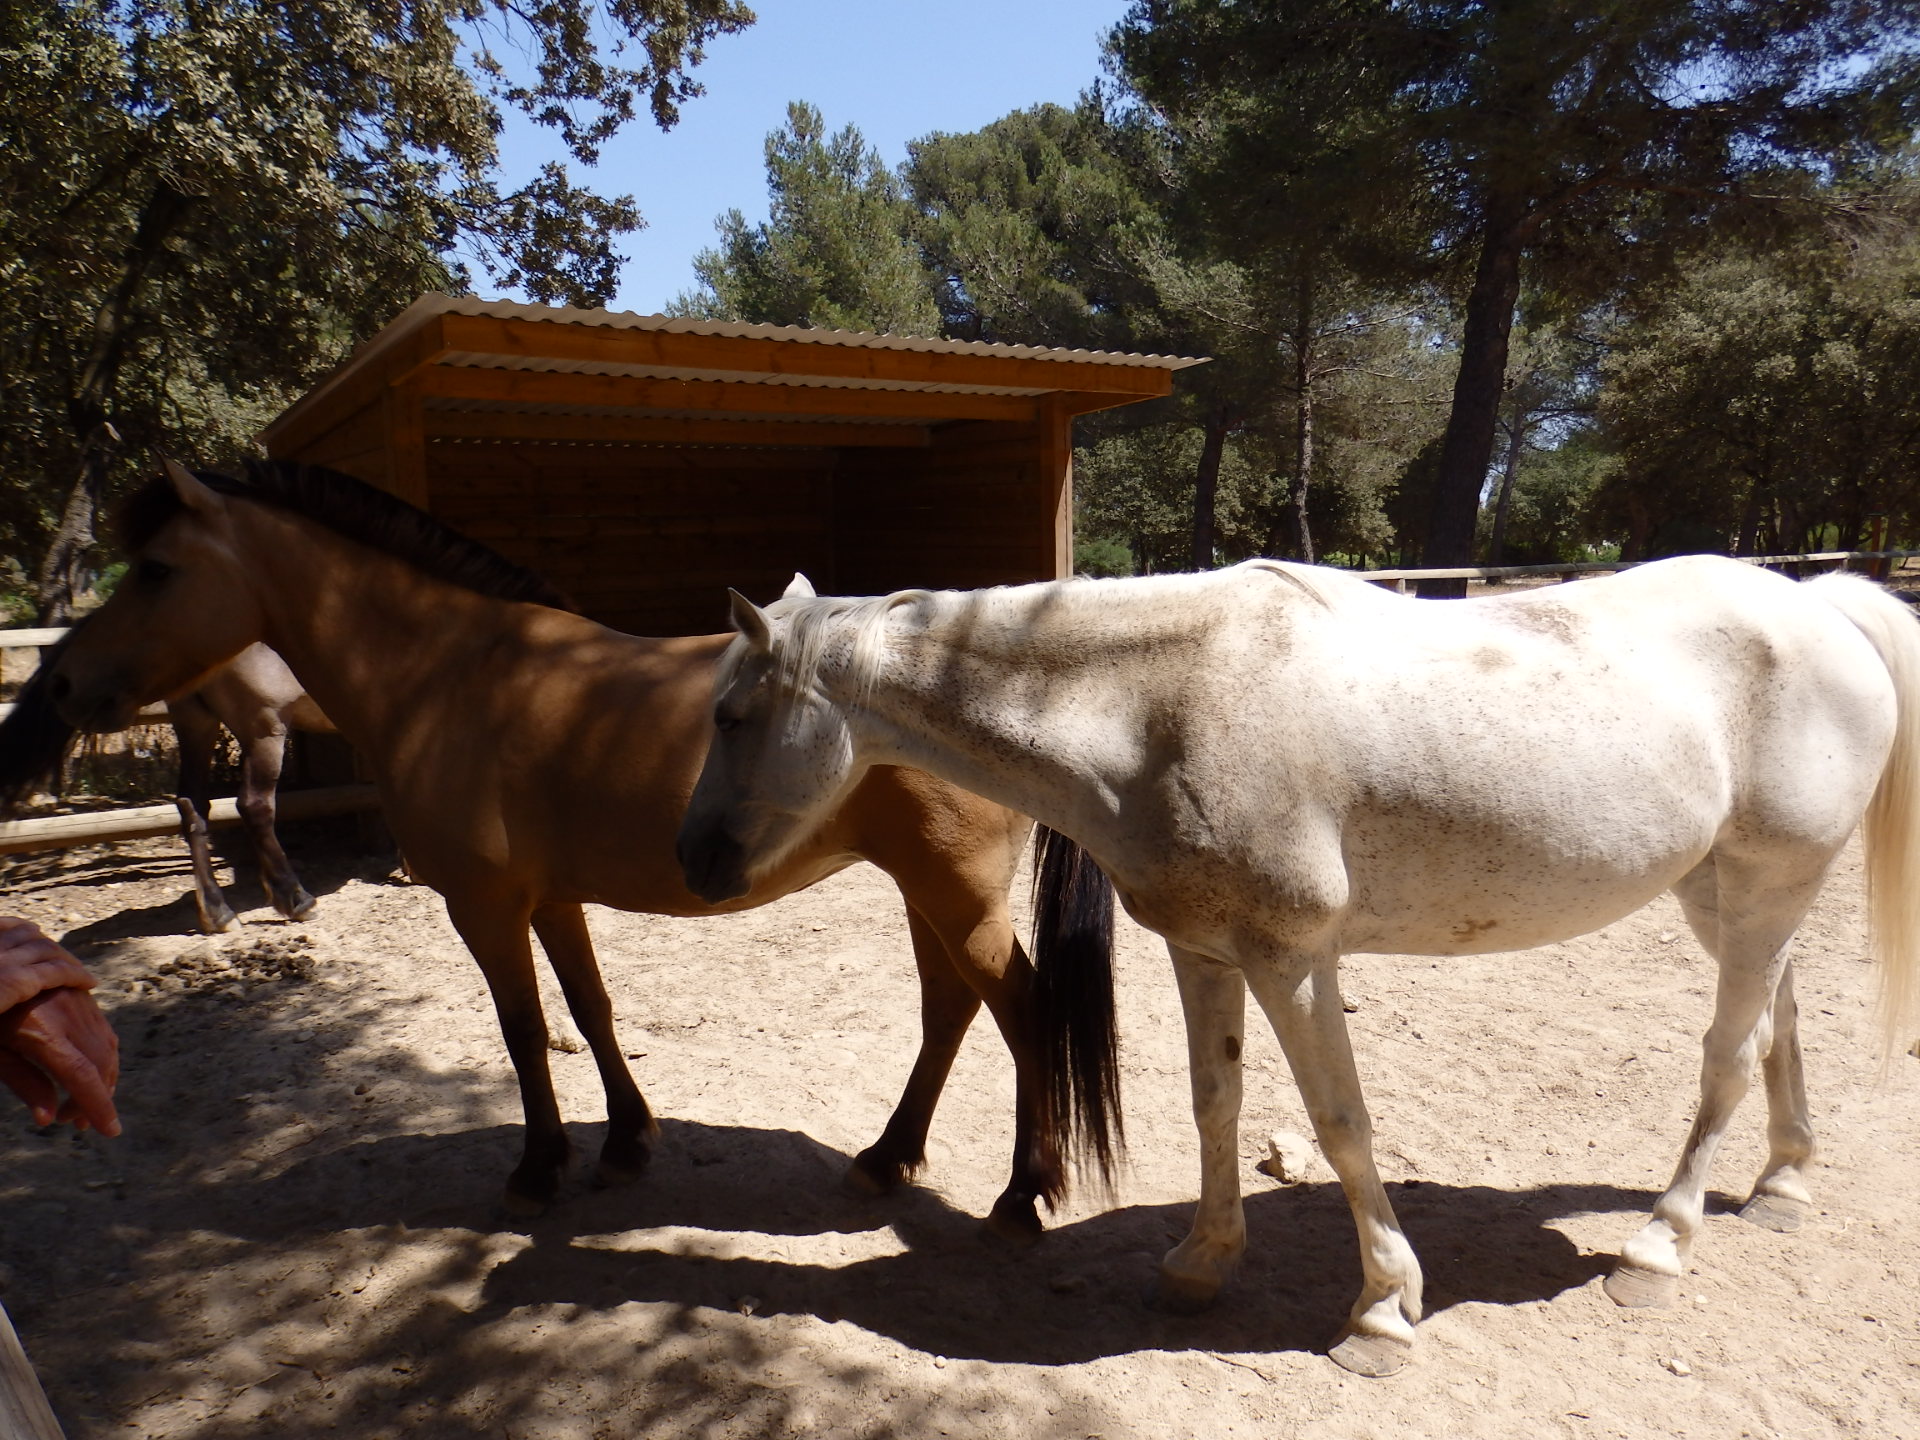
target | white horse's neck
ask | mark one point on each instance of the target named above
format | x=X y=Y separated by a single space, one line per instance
x=1018 y=694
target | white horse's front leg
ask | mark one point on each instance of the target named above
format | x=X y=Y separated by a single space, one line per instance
x=1214 y=997
x=1303 y=1002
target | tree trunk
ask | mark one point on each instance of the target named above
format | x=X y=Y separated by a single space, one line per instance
x=1743 y=543
x=1467 y=449
x=1295 y=514
x=1206 y=484
x=1516 y=444
x=63 y=569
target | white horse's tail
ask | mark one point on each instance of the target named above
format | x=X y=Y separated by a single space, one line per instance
x=1890 y=830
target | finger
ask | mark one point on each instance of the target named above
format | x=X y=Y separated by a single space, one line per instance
x=32 y=1086
x=88 y=1090
x=35 y=965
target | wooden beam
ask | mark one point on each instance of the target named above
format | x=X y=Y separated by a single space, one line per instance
x=325 y=406
x=606 y=344
x=1056 y=481
x=509 y=425
x=407 y=443
x=24 y=1412
x=545 y=387
x=57 y=832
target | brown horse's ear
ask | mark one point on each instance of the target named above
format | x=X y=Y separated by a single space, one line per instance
x=751 y=621
x=798 y=588
x=194 y=494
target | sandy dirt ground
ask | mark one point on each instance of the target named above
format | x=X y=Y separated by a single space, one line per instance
x=299 y=1233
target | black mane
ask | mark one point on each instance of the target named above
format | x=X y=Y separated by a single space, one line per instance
x=354 y=510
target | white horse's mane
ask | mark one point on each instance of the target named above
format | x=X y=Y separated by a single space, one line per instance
x=815 y=625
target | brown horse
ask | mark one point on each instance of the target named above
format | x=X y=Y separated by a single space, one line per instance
x=256 y=698
x=530 y=761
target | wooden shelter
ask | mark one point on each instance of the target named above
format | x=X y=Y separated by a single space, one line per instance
x=645 y=463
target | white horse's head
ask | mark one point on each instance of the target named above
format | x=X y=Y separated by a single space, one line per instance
x=782 y=756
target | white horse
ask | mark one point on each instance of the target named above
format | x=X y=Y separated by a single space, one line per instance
x=1279 y=764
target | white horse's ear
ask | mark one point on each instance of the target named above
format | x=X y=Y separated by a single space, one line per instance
x=751 y=621
x=798 y=588
x=193 y=493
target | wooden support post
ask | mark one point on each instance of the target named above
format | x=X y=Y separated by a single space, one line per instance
x=24 y=1411
x=1056 y=450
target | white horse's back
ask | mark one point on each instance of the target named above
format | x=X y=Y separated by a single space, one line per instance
x=1500 y=773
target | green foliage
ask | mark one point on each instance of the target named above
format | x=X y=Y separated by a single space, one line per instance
x=1584 y=146
x=202 y=207
x=1770 y=397
x=834 y=253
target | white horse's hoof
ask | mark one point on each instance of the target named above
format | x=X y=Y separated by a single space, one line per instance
x=1635 y=1287
x=1781 y=1214
x=1374 y=1356
x=1180 y=1295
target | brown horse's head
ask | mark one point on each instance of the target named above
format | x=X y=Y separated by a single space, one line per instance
x=182 y=610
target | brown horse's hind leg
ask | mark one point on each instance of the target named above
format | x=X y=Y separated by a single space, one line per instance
x=196 y=730
x=496 y=934
x=973 y=932
x=259 y=784
x=630 y=1125
x=947 y=1008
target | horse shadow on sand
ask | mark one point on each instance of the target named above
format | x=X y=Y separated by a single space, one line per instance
x=322 y=866
x=1076 y=1296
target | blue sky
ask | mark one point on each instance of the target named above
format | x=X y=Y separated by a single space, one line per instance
x=898 y=69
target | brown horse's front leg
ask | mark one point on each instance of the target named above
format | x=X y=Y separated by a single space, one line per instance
x=496 y=933
x=631 y=1130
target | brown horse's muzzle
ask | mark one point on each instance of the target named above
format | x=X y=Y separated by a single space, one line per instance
x=92 y=709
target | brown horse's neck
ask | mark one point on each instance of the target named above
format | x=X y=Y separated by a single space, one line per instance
x=369 y=636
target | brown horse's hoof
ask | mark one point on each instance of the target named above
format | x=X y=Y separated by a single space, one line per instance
x=1637 y=1288
x=217 y=922
x=1014 y=1220
x=1779 y=1213
x=299 y=908
x=621 y=1165
x=522 y=1206
x=1374 y=1356
x=871 y=1175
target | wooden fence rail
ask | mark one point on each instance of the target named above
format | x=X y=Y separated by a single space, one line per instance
x=94 y=827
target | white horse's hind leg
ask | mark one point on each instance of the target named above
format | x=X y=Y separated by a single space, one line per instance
x=1745 y=915
x=1780 y=1199
x=1304 y=1005
x=1214 y=997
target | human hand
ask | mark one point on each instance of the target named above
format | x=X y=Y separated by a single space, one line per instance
x=30 y=963
x=60 y=1040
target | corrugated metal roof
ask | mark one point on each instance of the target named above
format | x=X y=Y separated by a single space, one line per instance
x=430 y=305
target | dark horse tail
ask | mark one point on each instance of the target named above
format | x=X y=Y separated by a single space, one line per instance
x=34 y=740
x=1073 y=965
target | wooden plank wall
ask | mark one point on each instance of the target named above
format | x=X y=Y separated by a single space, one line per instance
x=644 y=538
x=975 y=509
x=357 y=445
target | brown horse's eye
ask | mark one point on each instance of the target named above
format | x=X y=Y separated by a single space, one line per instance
x=724 y=723
x=153 y=572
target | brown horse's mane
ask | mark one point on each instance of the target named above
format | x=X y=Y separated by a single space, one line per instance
x=354 y=510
